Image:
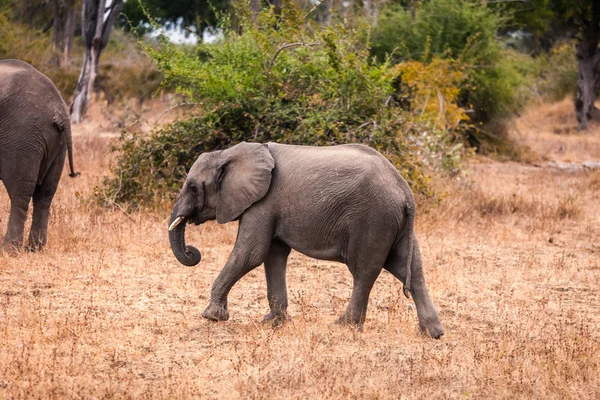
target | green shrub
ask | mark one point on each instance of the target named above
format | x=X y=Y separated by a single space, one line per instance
x=152 y=168
x=461 y=30
x=555 y=74
x=282 y=79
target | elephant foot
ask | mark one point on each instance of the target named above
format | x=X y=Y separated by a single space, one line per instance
x=347 y=320
x=435 y=331
x=276 y=319
x=215 y=313
x=34 y=246
x=433 y=327
x=12 y=247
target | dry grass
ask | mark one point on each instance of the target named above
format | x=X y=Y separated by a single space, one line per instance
x=512 y=261
x=551 y=130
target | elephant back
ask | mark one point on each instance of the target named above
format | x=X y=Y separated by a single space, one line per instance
x=17 y=78
x=33 y=115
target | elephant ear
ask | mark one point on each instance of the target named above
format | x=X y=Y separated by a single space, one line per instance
x=244 y=174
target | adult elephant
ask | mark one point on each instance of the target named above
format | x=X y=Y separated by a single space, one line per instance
x=342 y=203
x=35 y=135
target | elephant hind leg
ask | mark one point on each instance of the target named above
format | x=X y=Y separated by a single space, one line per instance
x=429 y=319
x=42 y=199
x=19 y=204
x=365 y=260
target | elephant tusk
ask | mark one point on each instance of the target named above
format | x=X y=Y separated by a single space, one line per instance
x=177 y=221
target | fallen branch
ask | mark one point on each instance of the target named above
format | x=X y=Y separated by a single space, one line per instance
x=568 y=166
x=113 y=203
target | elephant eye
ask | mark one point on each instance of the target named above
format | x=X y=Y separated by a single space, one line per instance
x=192 y=187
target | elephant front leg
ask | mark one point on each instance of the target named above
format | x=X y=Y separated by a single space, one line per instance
x=275 y=270
x=13 y=240
x=234 y=270
x=38 y=236
x=248 y=253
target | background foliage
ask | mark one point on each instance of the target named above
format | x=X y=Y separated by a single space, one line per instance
x=421 y=81
x=420 y=85
x=463 y=31
x=125 y=72
x=287 y=80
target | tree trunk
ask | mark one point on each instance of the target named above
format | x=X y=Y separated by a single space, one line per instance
x=377 y=6
x=587 y=82
x=588 y=57
x=255 y=9
x=56 y=31
x=368 y=5
x=84 y=88
x=372 y=9
x=277 y=5
x=68 y=31
x=96 y=28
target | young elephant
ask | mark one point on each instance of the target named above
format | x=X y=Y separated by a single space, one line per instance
x=343 y=203
x=35 y=134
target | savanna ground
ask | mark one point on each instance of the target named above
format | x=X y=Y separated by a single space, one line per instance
x=512 y=258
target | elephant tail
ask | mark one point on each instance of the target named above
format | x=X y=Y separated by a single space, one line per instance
x=73 y=174
x=64 y=125
x=410 y=228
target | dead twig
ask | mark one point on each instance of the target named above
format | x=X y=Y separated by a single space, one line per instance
x=137 y=121
x=314 y=8
x=373 y=122
x=176 y=106
x=112 y=201
x=124 y=211
x=290 y=45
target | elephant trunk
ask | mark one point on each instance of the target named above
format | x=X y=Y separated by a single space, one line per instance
x=187 y=255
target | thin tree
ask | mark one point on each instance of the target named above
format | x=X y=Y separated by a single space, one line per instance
x=63 y=22
x=97 y=20
x=255 y=8
x=588 y=56
x=68 y=30
x=552 y=21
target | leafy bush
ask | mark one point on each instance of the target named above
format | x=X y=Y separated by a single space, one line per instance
x=433 y=88
x=459 y=30
x=152 y=168
x=555 y=73
x=282 y=79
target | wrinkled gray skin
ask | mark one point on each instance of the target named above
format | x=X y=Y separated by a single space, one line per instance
x=35 y=133
x=343 y=203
